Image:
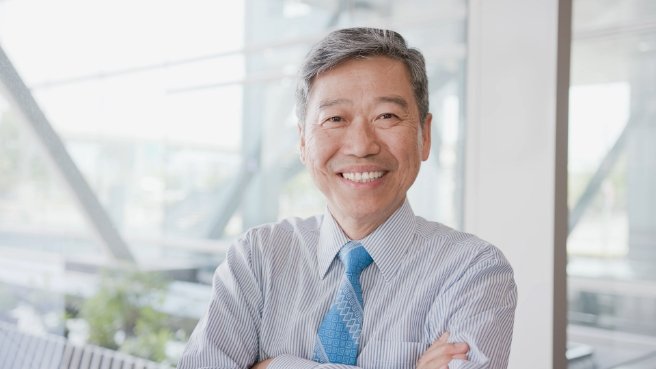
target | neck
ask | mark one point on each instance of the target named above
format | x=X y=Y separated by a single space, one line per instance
x=357 y=228
x=356 y=231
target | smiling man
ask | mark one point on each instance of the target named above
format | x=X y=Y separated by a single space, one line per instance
x=367 y=284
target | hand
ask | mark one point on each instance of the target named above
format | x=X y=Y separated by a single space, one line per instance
x=262 y=364
x=440 y=353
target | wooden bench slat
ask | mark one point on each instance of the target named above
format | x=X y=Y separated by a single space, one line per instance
x=14 y=351
x=116 y=362
x=19 y=350
x=66 y=356
x=128 y=362
x=96 y=358
x=140 y=364
x=5 y=342
x=105 y=361
x=21 y=353
x=53 y=353
x=42 y=354
x=58 y=349
x=77 y=357
x=35 y=358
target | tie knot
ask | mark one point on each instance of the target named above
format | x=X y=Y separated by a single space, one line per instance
x=355 y=258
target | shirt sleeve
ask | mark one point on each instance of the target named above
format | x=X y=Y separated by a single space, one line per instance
x=479 y=309
x=294 y=362
x=226 y=337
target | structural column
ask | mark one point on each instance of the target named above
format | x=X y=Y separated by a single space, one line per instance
x=516 y=168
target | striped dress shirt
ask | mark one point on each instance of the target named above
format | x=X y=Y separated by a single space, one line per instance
x=278 y=280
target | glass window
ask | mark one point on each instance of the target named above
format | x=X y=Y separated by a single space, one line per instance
x=612 y=177
x=169 y=129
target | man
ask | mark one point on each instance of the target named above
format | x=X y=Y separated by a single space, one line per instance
x=367 y=284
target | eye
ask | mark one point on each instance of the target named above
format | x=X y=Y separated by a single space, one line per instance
x=387 y=120
x=333 y=121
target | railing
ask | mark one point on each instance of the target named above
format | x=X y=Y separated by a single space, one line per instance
x=19 y=350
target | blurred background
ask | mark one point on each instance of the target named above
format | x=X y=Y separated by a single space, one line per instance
x=139 y=138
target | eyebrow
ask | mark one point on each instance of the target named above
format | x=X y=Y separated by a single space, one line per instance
x=333 y=102
x=398 y=100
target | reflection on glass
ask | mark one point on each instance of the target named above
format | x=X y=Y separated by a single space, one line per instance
x=183 y=127
x=612 y=174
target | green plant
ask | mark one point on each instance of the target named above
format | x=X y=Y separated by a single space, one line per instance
x=122 y=315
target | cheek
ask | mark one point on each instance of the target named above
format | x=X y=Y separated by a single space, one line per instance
x=407 y=148
x=315 y=156
x=320 y=147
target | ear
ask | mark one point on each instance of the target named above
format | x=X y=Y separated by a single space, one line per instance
x=426 y=137
x=301 y=141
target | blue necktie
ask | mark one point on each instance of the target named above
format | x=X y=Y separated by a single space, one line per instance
x=339 y=332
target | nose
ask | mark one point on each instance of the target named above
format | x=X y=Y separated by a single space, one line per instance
x=361 y=139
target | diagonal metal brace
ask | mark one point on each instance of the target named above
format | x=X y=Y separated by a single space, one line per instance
x=602 y=172
x=21 y=97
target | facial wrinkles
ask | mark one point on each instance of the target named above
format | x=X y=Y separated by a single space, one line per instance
x=358 y=96
x=365 y=164
x=381 y=159
x=311 y=147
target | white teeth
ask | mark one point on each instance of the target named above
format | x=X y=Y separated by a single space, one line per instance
x=362 y=177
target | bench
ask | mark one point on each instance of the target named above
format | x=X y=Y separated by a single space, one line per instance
x=19 y=350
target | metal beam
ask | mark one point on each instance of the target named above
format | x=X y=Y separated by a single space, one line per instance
x=233 y=195
x=21 y=97
x=602 y=172
x=231 y=199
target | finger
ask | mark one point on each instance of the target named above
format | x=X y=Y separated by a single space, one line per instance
x=436 y=352
x=441 y=341
x=460 y=356
x=438 y=362
x=460 y=348
x=441 y=352
x=444 y=338
x=447 y=348
x=441 y=361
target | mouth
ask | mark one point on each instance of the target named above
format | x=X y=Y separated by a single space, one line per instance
x=362 y=177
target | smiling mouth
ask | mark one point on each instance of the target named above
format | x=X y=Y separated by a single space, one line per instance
x=363 y=177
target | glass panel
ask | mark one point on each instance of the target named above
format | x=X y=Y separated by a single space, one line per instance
x=612 y=174
x=280 y=34
x=180 y=118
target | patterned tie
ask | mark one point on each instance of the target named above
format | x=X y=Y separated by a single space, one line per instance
x=339 y=333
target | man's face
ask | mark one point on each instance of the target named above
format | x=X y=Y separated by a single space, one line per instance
x=362 y=140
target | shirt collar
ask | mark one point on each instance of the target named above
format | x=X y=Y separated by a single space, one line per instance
x=387 y=245
x=331 y=239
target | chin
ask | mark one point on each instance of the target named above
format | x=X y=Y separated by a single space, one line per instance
x=364 y=210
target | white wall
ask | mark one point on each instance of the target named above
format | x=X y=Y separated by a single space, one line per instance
x=515 y=184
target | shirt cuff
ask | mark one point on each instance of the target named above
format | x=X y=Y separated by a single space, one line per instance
x=464 y=364
x=294 y=362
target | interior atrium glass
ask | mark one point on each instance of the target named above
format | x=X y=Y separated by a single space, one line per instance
x=612 y=176
x=137 y=139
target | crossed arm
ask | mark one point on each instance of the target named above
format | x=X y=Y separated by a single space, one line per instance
x=478 y=311
x=437 y=356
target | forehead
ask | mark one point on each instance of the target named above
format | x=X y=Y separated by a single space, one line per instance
x=370 y=77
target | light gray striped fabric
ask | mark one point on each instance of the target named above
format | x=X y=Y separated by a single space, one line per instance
x=278 y=281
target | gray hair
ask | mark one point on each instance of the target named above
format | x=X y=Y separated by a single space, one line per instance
x=356 y=43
